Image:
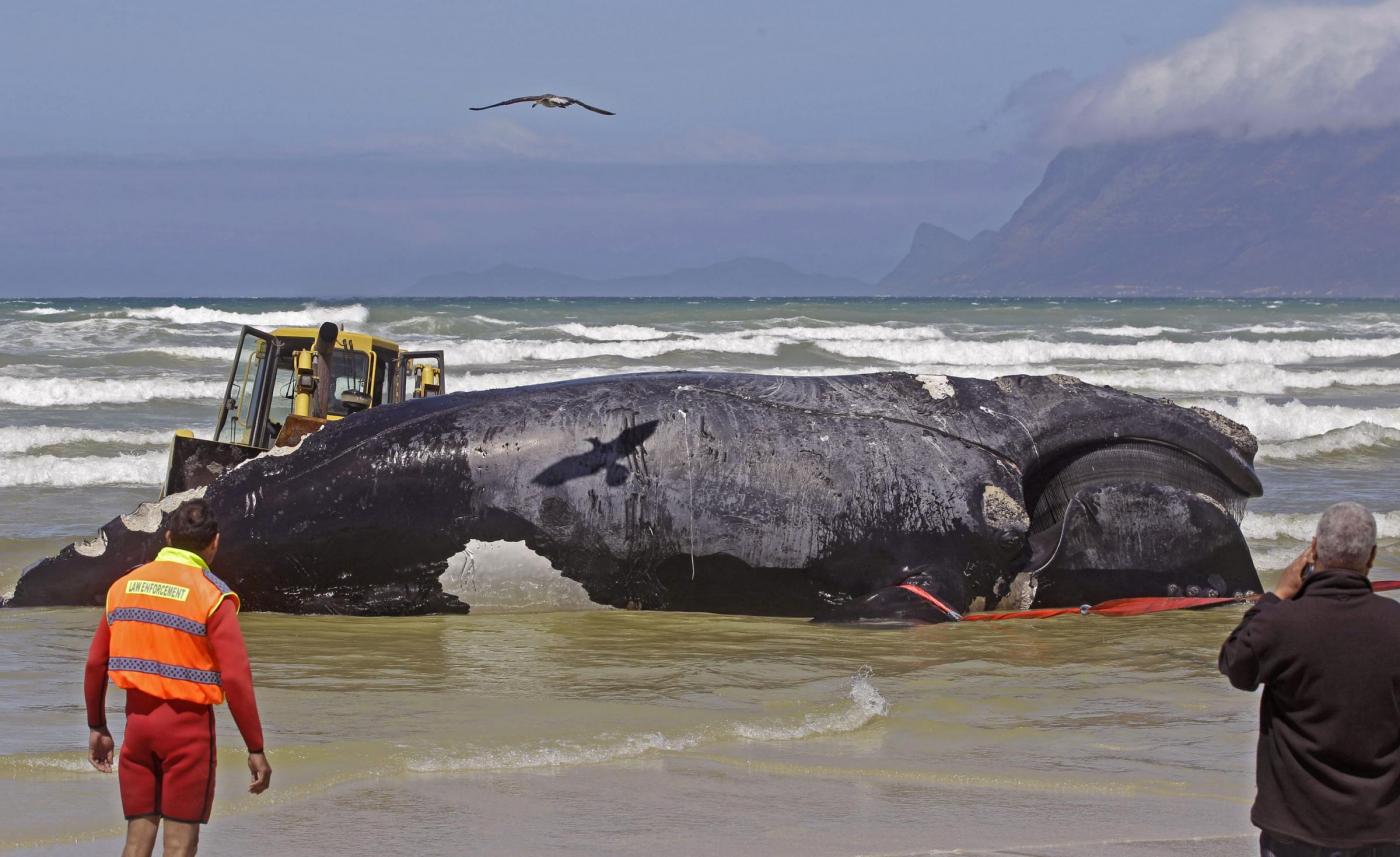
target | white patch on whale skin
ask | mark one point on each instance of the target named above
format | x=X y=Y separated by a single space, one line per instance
x=1021 y=594
x=1001 y=510
x=148 y=516
x=509 y=576
x=95 y=546
x=937 y=386
x=275 y=452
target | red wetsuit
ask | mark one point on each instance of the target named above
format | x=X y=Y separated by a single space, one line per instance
x=168 y=753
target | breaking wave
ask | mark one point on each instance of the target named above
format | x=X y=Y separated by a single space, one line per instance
x=1293 y=420
x=1300 y=526
x=501 y=380
x=864 y=704
x=56 y=471
x=1037 y=351
x=612 y=332
x=309 y=315
x=194 y=352
x=57 y=392
x=1243 y=378
x=43 y=310
x=17 y=439
x=1128 y=330
x=485 y=352
x=1349 y=439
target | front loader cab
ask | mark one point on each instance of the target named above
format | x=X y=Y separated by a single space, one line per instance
x=284 y=386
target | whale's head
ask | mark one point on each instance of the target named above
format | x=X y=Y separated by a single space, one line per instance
x=1130 y=497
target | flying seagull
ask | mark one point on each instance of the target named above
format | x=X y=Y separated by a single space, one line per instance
x=547 y=100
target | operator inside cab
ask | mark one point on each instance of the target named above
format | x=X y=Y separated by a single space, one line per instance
x=325 y=382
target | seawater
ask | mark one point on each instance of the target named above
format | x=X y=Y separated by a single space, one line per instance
x=535 y=726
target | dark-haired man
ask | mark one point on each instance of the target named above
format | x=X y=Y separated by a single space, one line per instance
x=1327 y=652
x=170 y=637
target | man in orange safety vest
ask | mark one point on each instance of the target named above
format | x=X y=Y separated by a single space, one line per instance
x=169 y=636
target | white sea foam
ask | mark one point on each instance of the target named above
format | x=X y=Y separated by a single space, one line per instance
x=1294 y=420
x=309 y=315
x=502 y=380
x=559 y=754
x=17 y=439
x=1271 y=329
x=44 y=310
x=1035 y=351
x=1129 y=331
x=1245 y=378
x=51 y=392
x=865 y=704
x=612 y=332
x=195 y=352
x=1349 y=439
x=857 y=333
x=486 y=319
x=485 y=352
x=52 y=470
x=1300 y=526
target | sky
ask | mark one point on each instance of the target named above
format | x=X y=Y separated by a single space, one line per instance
x=317 y=146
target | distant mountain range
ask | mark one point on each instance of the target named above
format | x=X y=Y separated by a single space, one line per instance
x=1305 y=215
x=746 y=277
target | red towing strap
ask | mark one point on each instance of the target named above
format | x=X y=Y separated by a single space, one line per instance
x=1122 y=606
x=929 y=597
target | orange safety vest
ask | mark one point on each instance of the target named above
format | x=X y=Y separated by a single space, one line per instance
x=158 y=615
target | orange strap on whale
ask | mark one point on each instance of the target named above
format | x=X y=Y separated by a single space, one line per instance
x=1116 y=607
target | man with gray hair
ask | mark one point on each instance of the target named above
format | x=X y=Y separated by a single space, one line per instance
x=1327 y=651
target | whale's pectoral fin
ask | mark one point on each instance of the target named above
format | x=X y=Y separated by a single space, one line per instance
x=924 y=597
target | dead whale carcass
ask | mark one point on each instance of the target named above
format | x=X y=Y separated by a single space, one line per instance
x=731 y=493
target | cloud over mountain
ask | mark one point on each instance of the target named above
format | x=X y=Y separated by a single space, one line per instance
x=1265 y=71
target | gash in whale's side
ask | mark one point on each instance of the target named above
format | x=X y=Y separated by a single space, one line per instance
x=734 y=494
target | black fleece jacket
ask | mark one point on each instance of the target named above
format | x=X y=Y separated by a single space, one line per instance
x=1328 y=763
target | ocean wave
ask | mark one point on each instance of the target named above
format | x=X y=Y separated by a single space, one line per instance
x=58 y=392
x=194 y=352
x=17 y=439
x=44 y=310
x=309 y=315
x=486 y=319
x=1129 y=330
x=1250 y=379
x=1349 y=439
x=612 y=332
x=1300 y=526
x=56 y=471
x=636 y=342
x=1294 y=420
x=1239 y=378
x=560 y=754
x=486 y=352
x=857 y=333
x=502 y=380
x=864 y=705
x=1035 y=351
x=1272 y=329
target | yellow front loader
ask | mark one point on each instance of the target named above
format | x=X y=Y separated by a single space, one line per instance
x=288 y=383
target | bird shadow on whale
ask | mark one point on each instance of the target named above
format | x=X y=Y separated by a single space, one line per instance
x=602 y=457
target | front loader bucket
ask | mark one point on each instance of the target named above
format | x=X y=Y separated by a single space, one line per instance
x=195 y=463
